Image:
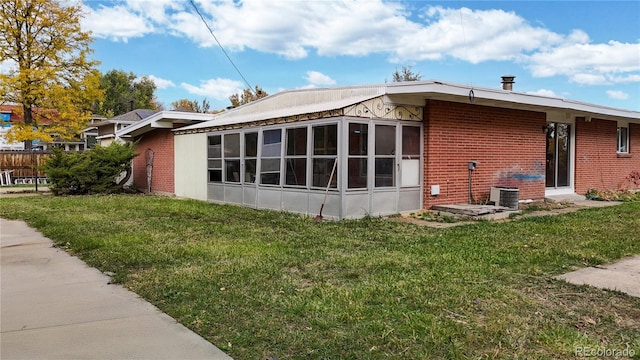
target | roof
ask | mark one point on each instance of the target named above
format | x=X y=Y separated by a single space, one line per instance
x=305 y=101
x=163 y=120
x=130 y=117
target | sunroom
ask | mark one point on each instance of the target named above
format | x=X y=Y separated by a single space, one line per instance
x=361 y=159
x=360 y=166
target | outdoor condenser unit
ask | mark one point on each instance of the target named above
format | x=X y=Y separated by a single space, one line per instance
x=505 y=196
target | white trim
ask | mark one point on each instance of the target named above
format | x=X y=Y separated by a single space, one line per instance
x=559 y=191
x=164 y=120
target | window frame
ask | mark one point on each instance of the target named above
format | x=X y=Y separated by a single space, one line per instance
x=264 y=158
x=620 y=147
x=316 y=158
x=295 y=157
x=361 y=156
x=226 y=160
x=378 y=158
x=210 y=158
x=405 y=156
x=244 y=158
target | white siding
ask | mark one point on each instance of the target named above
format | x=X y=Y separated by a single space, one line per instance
x=190 y=152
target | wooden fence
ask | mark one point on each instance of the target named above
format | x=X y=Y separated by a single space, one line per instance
x=22 y=163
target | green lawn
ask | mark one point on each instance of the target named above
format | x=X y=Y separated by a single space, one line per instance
x=260 y=284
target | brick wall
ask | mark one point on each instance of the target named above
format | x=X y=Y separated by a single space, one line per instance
x=508 y=144
x=598 y=165
x=160 y=141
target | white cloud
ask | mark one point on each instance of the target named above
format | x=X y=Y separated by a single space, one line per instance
x=155 y=10
x=160 y=82
x=543 y=92
x=472 y=35
x=586 y=63
x=118 y=23
x=218 y=89
x=318 y=78
x=618 y=95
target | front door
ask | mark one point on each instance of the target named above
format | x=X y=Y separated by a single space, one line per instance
x=558 y=155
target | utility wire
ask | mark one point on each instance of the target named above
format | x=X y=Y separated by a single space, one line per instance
x=220 y=45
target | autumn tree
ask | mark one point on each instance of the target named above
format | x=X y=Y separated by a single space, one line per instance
x=192 y=105
x=52 y=77
x=124 y=92
x=247 y=96
x=406 y=74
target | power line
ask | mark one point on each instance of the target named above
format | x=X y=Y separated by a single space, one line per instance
x=220 y=45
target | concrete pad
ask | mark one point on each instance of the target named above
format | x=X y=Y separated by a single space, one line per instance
x=472 y=209
x=53 y=306
x=580 y=200
x=623 y=276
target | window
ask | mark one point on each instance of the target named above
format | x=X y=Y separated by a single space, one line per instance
x=296 y=157
x=232 y=157
x=214 y=161
x=270 y=158
x=357 y=157
x=410 y=156
x=623 y=139
x=325 y=151
x=385 y=158
x=250 y=157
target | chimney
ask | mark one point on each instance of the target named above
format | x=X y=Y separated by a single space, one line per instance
x=507 y=82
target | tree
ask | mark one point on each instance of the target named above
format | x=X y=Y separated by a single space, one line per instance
x=54 y=81
x=193 y=106
x=247 y=96
x=406 y=74
x=124 y=92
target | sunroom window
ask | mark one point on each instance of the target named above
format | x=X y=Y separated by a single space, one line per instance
x=214 y=158
x=325 y=151
x=357 y=158
x=296 y=157
x=232 y=157
x=250 y=157
x=411 y=156
x=385 y=158
x=270 y=158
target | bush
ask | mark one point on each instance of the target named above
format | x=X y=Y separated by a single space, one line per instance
x=91 y=172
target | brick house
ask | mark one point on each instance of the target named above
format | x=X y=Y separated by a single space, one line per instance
x=402 y=146
x=153 y=168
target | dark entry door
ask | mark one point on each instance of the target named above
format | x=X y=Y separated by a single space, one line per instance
x=558 y=155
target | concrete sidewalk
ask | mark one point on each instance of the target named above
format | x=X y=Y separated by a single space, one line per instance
x=53 y=306
x=623 y=275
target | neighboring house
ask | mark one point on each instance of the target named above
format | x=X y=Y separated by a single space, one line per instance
x=11 y=114
x=153 y=168
x=90 y=133
x=105 y=130
x=403 y=147
x=6 y=115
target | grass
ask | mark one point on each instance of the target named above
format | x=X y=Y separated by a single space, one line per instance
x=269 y=284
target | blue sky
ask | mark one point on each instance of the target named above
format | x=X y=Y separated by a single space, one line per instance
x=581 y=50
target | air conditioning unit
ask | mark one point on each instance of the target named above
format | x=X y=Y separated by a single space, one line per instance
x=505 y=196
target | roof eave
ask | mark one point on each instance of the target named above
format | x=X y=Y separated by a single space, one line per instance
x=163 y=120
